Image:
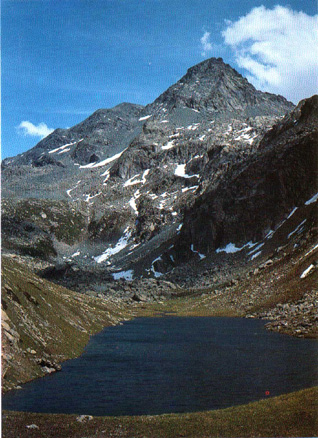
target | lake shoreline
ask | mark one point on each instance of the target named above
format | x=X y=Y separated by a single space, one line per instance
x=178 y=309
x=76 y=323
x=293 y=414
x=232 y=361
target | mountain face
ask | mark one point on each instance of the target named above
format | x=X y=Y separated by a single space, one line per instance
x=173 y=190
x=58 y=156
x=218 y=91
x=280 y=176
x=102 y=133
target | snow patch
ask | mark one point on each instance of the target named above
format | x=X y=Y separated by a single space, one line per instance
x=312 y=250
x=156 y=273
x=153 y=196
x=230 y=248
x=193 y=127
x=180 y=171
x=144 y=118
x=63 y=152
x=126 y=275
x=161 y=206
x=296 y=229
x=89 y=197
x=307 y=271
x=256 y=248
x=202 y=256
x=179 y=227
x=73 y=188
x=169 y=145
x=103 y=162
x=312 y=200
x=245 y=136
x=270 y=234
x=120 y=245
x=186 y=189
x=256 y=255
x=61 y=148
x=132 y=181
x=133 y=205
x=107 y=174
x=292 y=212
x=132 y=201
x=146 y=172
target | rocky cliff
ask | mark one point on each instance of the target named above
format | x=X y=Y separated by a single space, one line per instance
x=254 y=198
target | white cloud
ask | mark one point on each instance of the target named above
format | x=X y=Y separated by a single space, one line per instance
x=27 y=128
x=206 y=45
x=279 y=49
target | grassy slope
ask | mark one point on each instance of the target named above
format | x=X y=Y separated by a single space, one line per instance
x=49 y=320
x=291 y=415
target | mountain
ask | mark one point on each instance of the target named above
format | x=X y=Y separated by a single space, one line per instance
x=216 y=90
x=256 y=197
x=101 y=133
x=211 y=90
x=198 y=186
x=59 y=156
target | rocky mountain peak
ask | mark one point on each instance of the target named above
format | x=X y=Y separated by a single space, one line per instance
x=212 y=67
x=214 y=89
x=127 y=108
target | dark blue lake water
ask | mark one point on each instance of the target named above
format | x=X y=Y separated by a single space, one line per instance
x=172 y=364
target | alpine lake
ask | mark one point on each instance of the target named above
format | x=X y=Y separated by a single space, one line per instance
x=168 y=364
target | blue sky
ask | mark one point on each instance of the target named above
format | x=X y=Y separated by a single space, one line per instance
x=63 y=59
